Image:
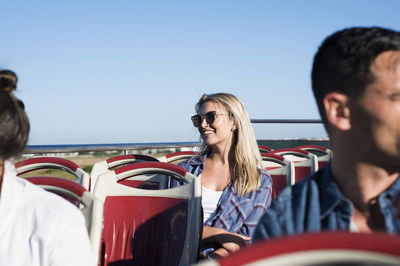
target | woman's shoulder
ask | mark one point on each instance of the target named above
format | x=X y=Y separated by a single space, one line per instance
x=265 y=180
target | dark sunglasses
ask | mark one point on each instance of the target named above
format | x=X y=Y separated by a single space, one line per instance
x=209 y=116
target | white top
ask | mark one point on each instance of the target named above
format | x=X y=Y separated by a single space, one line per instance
x=38 y=227
x=353 y=227
x=209 y=200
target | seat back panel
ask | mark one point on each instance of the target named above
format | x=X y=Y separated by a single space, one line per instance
x=301 y=172
x=135 y=226
x=279 y=182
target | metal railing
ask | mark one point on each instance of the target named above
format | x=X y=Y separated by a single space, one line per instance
x=286 y=121
x=126 y=147
x=123 y=147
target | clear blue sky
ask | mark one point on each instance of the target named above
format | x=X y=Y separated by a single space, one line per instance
x=130 y=71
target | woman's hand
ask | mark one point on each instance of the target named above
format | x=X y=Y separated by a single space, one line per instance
x=231 y=242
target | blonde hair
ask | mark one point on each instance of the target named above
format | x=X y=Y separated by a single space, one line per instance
x=244 y=155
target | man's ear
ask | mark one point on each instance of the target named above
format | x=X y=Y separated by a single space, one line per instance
x=337 y=110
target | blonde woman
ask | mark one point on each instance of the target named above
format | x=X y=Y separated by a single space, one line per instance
x=235 y=189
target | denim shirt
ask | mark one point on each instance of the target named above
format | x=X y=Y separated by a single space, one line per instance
x=234 y=213
x=316 y=204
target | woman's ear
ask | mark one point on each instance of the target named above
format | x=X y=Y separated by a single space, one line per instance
x=337 y=110
x=234 y=127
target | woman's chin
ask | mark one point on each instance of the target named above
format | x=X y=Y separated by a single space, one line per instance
x=208 y=140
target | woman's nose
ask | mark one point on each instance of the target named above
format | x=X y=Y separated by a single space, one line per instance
x=203 y=122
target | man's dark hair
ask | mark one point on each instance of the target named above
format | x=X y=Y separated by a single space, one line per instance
x=342 y=63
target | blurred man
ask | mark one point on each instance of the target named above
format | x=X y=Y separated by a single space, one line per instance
x=356 y=84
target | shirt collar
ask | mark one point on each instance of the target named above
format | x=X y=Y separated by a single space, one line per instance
x=196 y=165
x=7 y=183
x=393 y=190
x=197 y=161
x=10 y=197
x=330 y=194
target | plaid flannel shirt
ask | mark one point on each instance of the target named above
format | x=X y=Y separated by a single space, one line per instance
x=235 y=213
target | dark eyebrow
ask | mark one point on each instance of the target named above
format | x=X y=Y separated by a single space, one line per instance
x=394 y=95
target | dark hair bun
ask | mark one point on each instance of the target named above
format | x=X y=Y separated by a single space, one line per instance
x=8 y=81
x=14 y=123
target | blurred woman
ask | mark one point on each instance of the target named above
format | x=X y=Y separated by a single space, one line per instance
x=36 y=227
x=235 y=189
